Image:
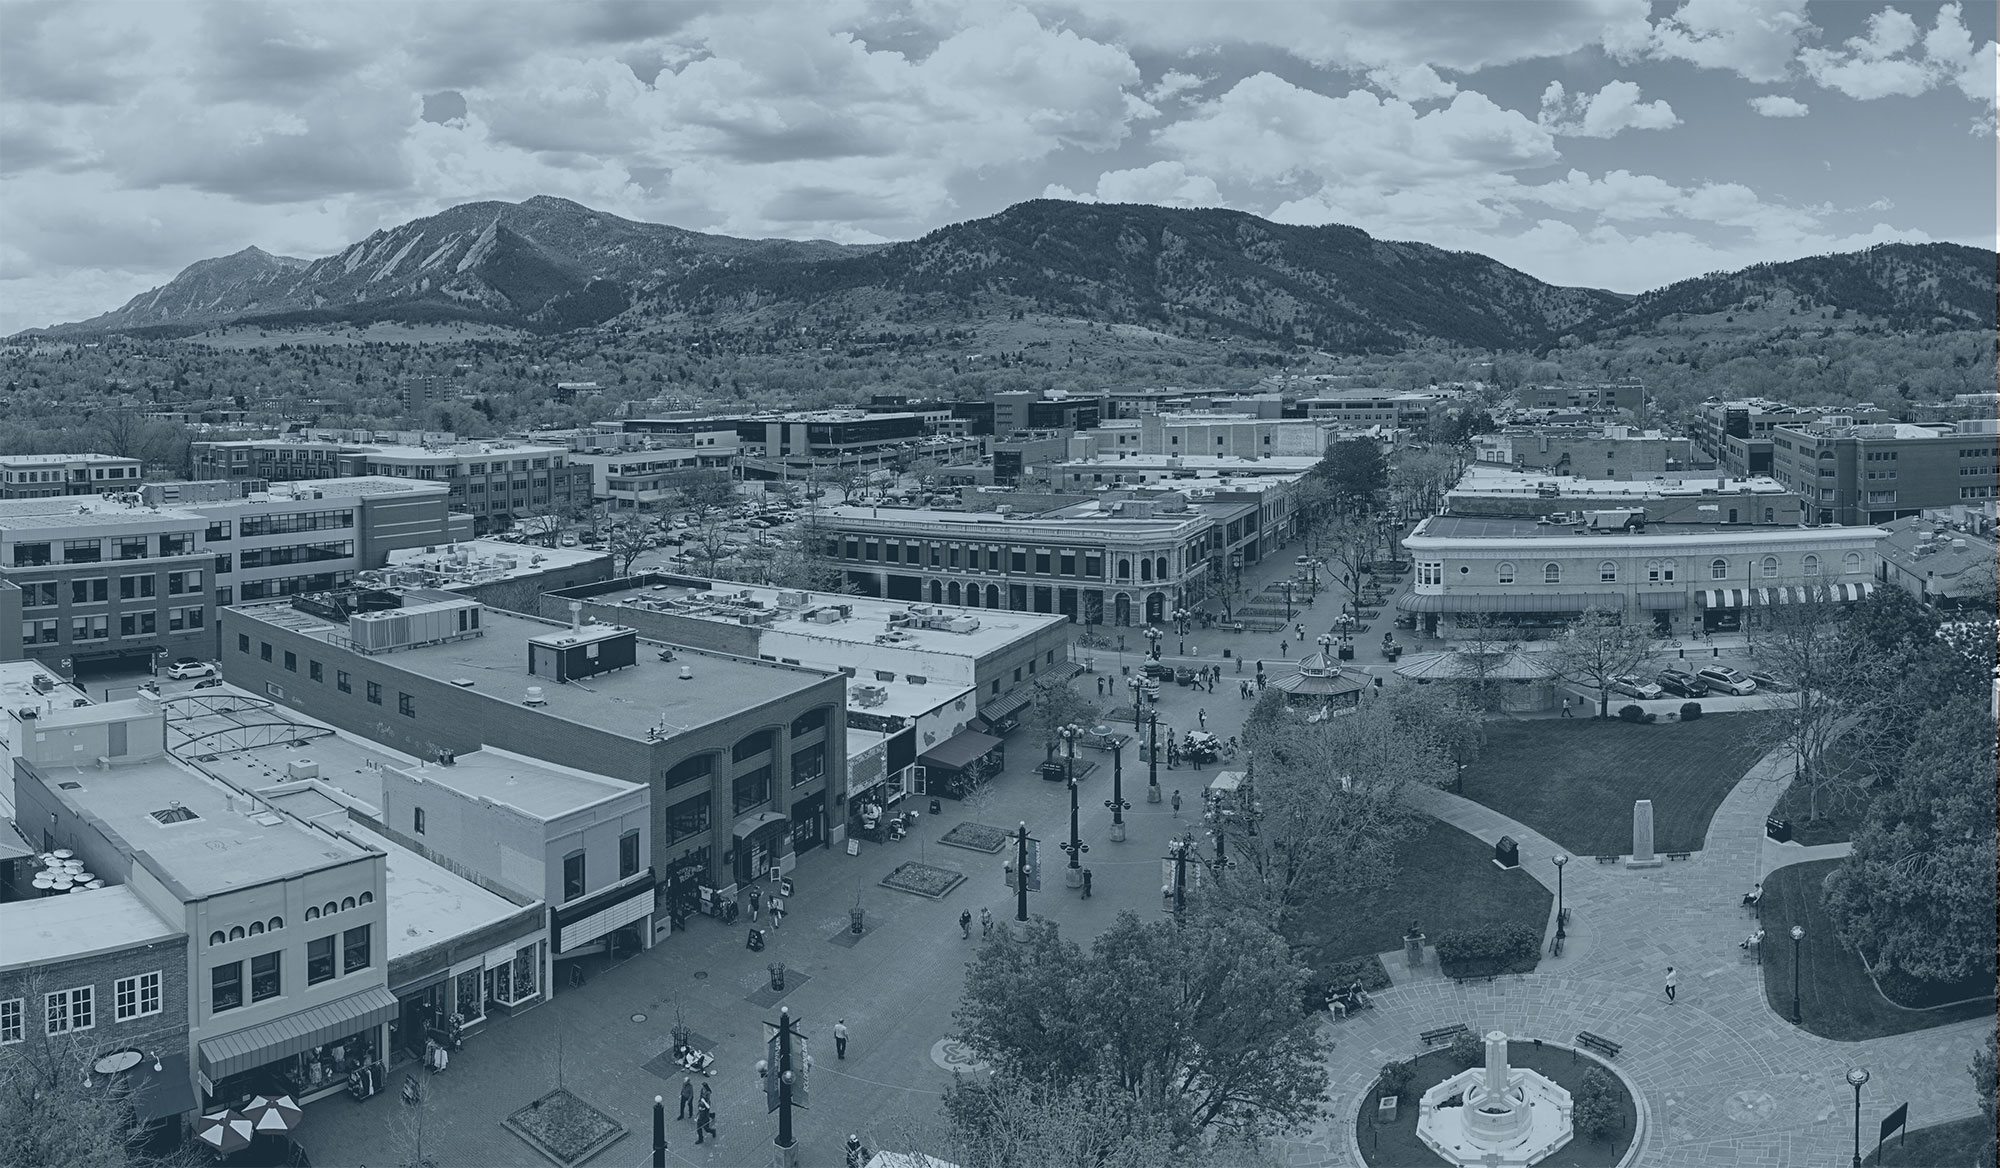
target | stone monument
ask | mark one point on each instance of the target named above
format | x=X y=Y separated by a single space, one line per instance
x=1494 y=1115
x=1643 y=855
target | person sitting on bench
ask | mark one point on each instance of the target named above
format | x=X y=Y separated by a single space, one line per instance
x=1751 y=897
x=1754 y=940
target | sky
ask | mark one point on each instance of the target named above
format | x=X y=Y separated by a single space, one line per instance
x=1621 y=144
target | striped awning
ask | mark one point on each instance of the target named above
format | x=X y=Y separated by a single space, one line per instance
x=1844 y=593
x=1504 y=602
x=1005 y=704
x=296 y=1033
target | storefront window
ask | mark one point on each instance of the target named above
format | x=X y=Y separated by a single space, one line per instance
x=469 y=1000
x=319 y=960
x=327 y=1066
x=524 y=974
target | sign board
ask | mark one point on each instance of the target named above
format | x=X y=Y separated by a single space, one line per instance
x=801 y=1069
x=1034 y=865
x=853 y=847
x=1897 y=1119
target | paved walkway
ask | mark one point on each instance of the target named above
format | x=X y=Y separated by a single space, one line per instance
x=1724 y=1080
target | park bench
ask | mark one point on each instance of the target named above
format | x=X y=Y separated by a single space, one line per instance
x=1601 y=1045
x=1444 y=1033
x=1609 y=859
x=1679 y=855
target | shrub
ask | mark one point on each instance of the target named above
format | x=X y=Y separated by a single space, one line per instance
x=1631 y=714
x=1690 y=711
x=1596 y=1106
x=1320 y=983
x=1467 y=1051
x=1395 y=1078
x=1496 y=945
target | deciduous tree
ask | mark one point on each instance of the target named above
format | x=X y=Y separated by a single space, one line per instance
x=1595 y=649
x=1056 y=704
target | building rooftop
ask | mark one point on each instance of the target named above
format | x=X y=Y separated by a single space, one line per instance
x=1491 y=527
x=87 y=511
x=1926 y=547
x=429 y=905
x=538 y=790
x=77 y=924
x=1489 y=479
x=967 y=519
x=631 y=702
x=216 y=743
x=229 y=841
x=352 y=487
x=476 y=561
x=817 y=615
x=60 y=459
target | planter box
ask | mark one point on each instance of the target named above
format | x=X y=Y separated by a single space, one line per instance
x=1385 y=1110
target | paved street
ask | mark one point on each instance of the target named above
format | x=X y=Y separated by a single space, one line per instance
x=1722 y=1079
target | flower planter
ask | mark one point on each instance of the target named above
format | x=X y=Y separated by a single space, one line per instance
x=1385 y=1109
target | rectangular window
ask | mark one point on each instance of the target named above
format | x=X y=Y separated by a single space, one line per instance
x=354 y=950
x=808 y=763
x=264 y=650
x=12 y=1027
x=225 y=987
x=689 y=817
x=573 y=873
x=92 y=591
x=750 y=790
x=1430 y=572
x=67 y=1010
x=134 y=587
x=374 y=693
x=136 y=997
x=406 y=705
x=628 y=854
x=83 y=551
x=291 y=661
x=316 y=671
x=343 y=681
x=265 y=978
x=319 y=960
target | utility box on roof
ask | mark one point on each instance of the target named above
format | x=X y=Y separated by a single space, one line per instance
x=574 y=654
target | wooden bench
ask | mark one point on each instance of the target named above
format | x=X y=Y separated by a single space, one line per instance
x=1444 y=1033
x=1601 y=1045
x=1679 y=855
x=1609 y=859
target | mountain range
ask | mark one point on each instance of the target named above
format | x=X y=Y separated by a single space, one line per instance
x=549 y=265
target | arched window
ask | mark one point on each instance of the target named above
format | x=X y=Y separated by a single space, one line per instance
x=1145 y=569
x=216 y=938
x=751 y=745
x=1851 y=563
x=1667 y=568
x=1769 y=566
x=1718 y=569
x=1552 y=573
x=256 y=928
x=329 y=909
x=993 y=596
x=346 y=903
x=1607 y=572
x=312 y=914
x=276 y=924
x=1124 y=569
x=811 y=720
x=1160 y=567
x=972 y=596
x=1506 y=572
x=951 y=593
x=236 y=934
x=1809 y=566
x=367 y=898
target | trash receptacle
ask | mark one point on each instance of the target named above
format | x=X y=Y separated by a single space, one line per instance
x=854 y=918
x=1778 y=829
x=1507 y=853
x=1413 y=949
x=777 y=969
x=1347 y=652
x=1086 y=883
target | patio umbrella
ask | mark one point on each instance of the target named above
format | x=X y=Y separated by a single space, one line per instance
x=268 y=1114
x=227 y=1132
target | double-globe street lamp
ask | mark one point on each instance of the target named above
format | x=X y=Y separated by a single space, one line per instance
x=1153 y=635
x=1073 y=877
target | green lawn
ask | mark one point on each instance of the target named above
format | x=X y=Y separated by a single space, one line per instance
x=1445 y=880
x=1396 y=1145
x=1837 y=999
x=1962 y=1143
x=1842 y=804
x=1575 y=779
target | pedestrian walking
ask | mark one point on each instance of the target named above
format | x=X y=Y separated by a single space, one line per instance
x=1260 y=683
x=1566 y=712
x=965 y=923
x=756 y=899
x=1177 y=804
x=1284 y=650
x=1260 y=669
x=687 y=1097
x=985 y=922
x=1239 y=665
x=777 y=910
x=1201 y=715
x=1673 y=983
x=840 y=1039
x=704 y=1120
x=705 y=1100
x=1100 y=687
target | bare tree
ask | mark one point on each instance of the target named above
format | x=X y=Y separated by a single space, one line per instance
x=1595 y=649
x=1056 y=704
x=707 y=546
x=705 y=495
x=1834 y=678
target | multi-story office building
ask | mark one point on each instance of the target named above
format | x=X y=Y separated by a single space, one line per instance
x=495 y=482
x=1620 y=395
x=1218 y=435
x=1356 y=409
x=1874 y=473
x=105 y=582
x=1473 y=571
x=284 y=919
x=630 y=479
x=43 y=476
x=823 y=442
x=1025 y=410
x=738 y=755
x=1595 y=452
x=1486 y=489
x=1122 y=562
x=1736 y=435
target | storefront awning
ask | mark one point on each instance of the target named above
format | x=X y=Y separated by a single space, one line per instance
x=167 y=1091
x=1663 y=601
x=744 y=827
x=1784 y=594
x=1506 y=602
x=301 y=1032
x=960 y=751
x=1001 y=707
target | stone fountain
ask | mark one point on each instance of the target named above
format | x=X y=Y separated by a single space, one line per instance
x=1495 y=1115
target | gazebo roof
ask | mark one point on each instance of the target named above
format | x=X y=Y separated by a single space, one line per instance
x=1318 y=676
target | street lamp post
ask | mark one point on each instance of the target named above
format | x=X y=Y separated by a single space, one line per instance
x=1180 y=851
x=1153 y=758
x=1138 y=689
x=1288 y=599
x=1153 y=635
x=1073 y=878
x=1117 y=801
x=1856 y=1077
x=1562 y=918
x=1798 y=934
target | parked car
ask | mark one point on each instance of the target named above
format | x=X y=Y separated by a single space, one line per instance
x=1726 y=679
x=186 y=667
x=1682 y=684
x=1629 y=686
x=1771 y=682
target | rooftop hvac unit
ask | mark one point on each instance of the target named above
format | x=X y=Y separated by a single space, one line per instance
x=535 y=697
x=962 y=624
x=301 y=768
x=869 y=695
x=823 y=616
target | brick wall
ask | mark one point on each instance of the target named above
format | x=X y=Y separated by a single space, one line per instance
x=163 y=1033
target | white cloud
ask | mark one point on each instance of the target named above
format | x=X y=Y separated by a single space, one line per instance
x=1776 y=105
x=1166 y=183
x=1895 y=59
x=1412 y=83
x=1755 y=40
x=1604 y=114
x=1173 y=83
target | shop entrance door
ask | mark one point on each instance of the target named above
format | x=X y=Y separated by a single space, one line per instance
x=422 y=1012
x=760 y=855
